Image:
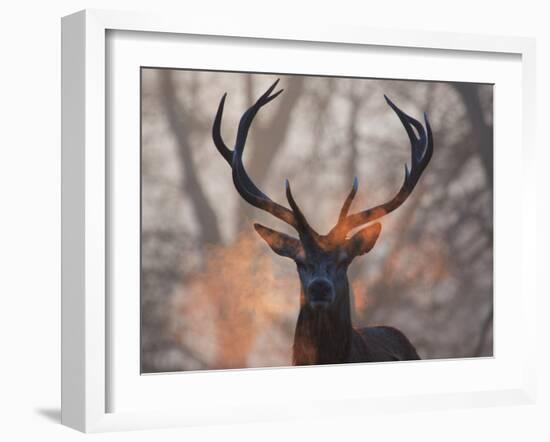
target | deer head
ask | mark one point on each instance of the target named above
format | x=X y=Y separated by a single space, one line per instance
x=322 y=260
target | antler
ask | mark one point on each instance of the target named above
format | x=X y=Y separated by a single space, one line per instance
x=421 y=153
x=244 y=185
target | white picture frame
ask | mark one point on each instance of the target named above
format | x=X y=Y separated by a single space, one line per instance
x=87 y=205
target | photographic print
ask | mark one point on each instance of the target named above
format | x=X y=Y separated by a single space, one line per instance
x=308 y=220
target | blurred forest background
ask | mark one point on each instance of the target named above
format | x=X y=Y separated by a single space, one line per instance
x=213 y=295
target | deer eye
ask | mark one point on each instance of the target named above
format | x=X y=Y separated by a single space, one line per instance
x=342 y=259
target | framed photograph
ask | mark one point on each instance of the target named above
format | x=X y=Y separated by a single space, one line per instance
x=269 y=223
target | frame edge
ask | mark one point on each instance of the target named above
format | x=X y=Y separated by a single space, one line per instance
x=83 y=324
x=73 y=80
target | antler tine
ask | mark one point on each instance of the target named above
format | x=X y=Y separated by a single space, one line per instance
x=244 y=185
x=347 y=203
x=248 y=116
x=306 y=231
x=421 y=147
x=217 y=134
x=421 y=154
x=244 y=124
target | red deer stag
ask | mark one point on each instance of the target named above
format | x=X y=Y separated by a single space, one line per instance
x=324 y=333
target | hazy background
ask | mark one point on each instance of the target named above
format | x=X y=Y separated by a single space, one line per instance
x=215 y=296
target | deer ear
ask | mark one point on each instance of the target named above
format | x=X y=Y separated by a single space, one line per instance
x=363 y=241
x=280 y=243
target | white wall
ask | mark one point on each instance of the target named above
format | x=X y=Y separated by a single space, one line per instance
x=30 y=220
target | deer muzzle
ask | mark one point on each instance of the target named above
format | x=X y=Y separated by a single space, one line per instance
x=320 y=293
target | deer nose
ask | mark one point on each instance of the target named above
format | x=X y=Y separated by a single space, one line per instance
x=320 y=292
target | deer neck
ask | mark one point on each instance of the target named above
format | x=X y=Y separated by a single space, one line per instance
x=323 y=337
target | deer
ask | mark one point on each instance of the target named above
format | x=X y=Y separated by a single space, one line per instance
x=324 y=333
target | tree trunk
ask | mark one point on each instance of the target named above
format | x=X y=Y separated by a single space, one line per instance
x=205 y=216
